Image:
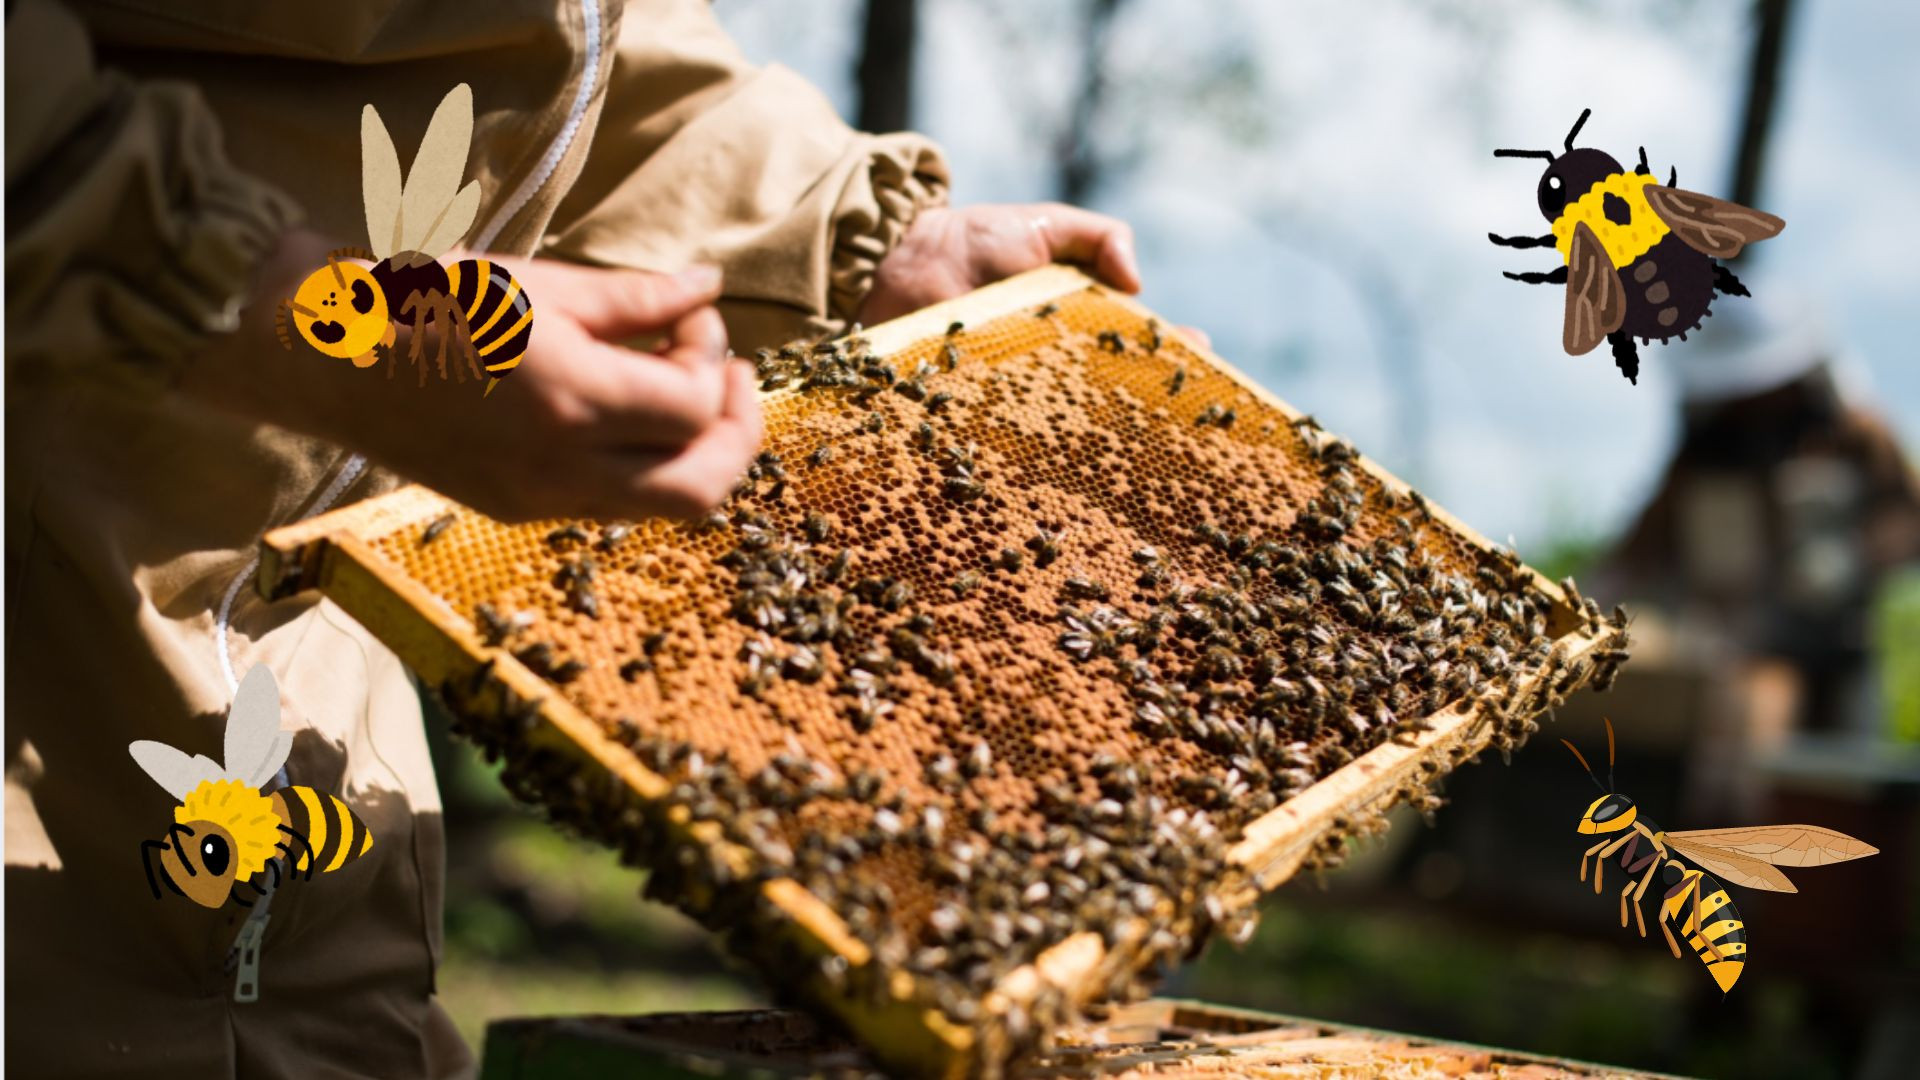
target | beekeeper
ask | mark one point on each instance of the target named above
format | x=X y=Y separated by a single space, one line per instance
x=173 y=171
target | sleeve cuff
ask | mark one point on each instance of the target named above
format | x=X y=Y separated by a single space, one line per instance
x=130 y=235
x=906 y=175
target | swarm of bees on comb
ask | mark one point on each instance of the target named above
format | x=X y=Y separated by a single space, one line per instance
x=1003 y=640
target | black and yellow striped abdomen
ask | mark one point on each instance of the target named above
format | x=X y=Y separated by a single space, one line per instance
x=1715 y=932
x=498 y=311
x=333 y=835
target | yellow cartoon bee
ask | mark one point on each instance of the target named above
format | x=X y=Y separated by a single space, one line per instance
x=225 y=832
x=349 y=311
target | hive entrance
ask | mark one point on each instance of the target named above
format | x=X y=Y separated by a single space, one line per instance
x=1011 y=632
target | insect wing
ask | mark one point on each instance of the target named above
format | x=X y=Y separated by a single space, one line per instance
x=172 y=769
x=255 y=745
x=433 y=181
x=1781 y=845
x=1708 y=225
x=454 y=223
x=379 y=184
x=1734 y=868
x=1596 y=303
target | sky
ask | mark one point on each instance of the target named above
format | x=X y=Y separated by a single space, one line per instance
x=1312 y=183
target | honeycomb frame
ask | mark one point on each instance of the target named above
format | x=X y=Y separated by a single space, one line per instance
x=341 y=554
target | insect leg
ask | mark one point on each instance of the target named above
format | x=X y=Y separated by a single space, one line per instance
x=1700 y=926
x=454 y=323
x=1632 y=869
x=1599 y=864
x=233 y=894
x=1671 y=943
x=173 y=835
x=147 y=848
x=302 y=838
x=1557 y=277
x=1642 y=168
x=1626 y=355
x=1590 y=853
x=1522 y=241
x=1725 y=282
x=416 y=303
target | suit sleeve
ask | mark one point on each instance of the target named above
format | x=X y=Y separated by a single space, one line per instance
x=130 y=237
x=699 y=156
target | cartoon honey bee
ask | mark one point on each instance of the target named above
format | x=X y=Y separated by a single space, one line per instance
x=226 y=833
x=1695 y=903
x=1640 y=255
x=350 y=311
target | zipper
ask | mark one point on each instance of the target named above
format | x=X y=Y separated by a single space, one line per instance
x=557 y=150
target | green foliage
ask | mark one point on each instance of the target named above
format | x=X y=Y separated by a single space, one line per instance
x=1896 y=640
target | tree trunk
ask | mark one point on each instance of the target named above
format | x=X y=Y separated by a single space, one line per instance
x=1079 y=161
x=1763 y=82
x=885 y=71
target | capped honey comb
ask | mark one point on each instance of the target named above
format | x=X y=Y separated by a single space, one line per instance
x=1033 y=647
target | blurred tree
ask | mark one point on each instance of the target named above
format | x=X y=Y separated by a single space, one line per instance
x=884 y=72
x=1763 y=81
x=1076 y=153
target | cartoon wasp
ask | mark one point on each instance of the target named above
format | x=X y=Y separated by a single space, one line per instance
x=1695 y=903
x=1639 y=254
x=349 y=311
x=225 y=832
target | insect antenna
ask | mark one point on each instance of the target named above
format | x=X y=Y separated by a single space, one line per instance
x=1577 y=125
x=280 y=322
x=1583 y=764
x=1544 y=155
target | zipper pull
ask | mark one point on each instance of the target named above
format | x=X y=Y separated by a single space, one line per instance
x=246 y=982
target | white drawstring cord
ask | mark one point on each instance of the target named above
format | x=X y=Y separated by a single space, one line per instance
x=576 y=112
x=348 y=474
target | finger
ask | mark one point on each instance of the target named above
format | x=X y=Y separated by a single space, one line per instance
x=619 y=304
x=1096 y=240
x=1197 y=336
x=642 y=400
x=697 y=479
x=698 y=340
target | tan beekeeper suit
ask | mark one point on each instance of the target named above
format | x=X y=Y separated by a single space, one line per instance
x=154 y=150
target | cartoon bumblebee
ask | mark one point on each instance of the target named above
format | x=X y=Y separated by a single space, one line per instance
x=225 y=832
x=349 y=311
x=1695 y=904
x=1640 y=255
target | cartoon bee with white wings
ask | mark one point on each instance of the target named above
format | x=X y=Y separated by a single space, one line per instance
x=1695 y=903
x=350 y=311
x=225 y=832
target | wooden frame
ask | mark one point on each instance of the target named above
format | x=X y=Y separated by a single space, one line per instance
x=332 y=553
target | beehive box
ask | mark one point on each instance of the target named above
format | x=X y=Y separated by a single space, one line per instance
x=1162 y=1039
x=1037 y=645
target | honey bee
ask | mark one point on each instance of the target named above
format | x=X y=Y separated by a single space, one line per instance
x=349 y=311
x=1639 y=254
x=1695 y=903
x=434 y=528
x=226 y=832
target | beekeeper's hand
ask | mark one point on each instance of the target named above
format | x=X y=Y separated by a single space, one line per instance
x=585 y=426
x=948 y=252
